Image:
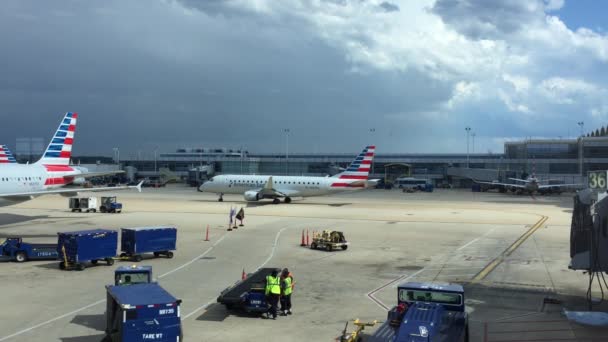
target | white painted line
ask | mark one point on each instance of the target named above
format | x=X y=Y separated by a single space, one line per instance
x=475 y=240
x=103 y=300
x=193 y=260
x=378 y=302
x=274 y=246
x=51 y=320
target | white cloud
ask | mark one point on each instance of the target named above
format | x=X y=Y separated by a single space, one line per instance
x=511 y=104
x=520 y=83
x=600 y=112
x=566 y=91
x=553 y=5
x=463 y=92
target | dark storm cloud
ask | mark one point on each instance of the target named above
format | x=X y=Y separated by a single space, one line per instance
x=482 y=19
x=389 y=7
x=148 y=74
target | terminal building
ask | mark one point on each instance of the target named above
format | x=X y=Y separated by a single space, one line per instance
x=561 y=160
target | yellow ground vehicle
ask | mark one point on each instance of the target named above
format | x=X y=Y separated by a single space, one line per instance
x=329 y=240
x=355 y=336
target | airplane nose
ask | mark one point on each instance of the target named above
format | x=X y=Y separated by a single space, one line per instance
x=201 y=188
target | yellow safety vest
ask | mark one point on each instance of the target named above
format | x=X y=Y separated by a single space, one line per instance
x=273 y=285
x=288 y=289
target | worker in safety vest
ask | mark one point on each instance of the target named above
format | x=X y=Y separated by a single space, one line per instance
x=273 y=293
x=287 y=284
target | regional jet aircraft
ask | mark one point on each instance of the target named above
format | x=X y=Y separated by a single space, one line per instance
x=6 y=157
x=530 y=185
x=255 y=188
x=22 y=182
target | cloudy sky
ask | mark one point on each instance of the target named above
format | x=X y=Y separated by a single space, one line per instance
x=238 y=72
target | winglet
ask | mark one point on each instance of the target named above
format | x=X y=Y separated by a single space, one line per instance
x=269 y=184
x=138 y=186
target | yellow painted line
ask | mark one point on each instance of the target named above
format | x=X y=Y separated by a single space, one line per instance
x=499 y=259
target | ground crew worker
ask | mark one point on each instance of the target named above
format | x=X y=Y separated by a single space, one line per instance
x=273 y=293
x=286 y=291
x=241 y=216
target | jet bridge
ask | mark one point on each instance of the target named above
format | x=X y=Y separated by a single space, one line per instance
x=589 y=232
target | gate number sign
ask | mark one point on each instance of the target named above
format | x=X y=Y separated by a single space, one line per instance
x=597 y=180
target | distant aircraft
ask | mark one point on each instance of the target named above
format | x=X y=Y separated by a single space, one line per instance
x=255 y=188
x=6 y=157
x=530 y=185
x=23 y=182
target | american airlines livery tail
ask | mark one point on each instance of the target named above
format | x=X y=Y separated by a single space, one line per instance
x=255 y=188
x=6 y=156
x=22 y=182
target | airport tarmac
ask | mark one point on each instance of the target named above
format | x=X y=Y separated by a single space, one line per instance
x=509 y=251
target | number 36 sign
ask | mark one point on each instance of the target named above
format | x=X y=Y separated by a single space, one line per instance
x=597 y=180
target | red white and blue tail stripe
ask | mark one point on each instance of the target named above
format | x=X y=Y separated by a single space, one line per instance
x=357 y=172
x=59 y=150
x=6 y=157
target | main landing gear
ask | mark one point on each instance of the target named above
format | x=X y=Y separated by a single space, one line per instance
x=277 y=201
x=221 y=198
x=287 y=200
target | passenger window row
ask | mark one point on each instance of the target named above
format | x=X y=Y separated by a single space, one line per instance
x=279 y=182
x=19 y=179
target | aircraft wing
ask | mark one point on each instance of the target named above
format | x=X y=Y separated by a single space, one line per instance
x=66 y=191
x=372 y=182
x=546 y=186
x=269 y=190
x=96 y=174
x=501 y=184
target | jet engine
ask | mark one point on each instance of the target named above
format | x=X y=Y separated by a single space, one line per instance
x=252 y=196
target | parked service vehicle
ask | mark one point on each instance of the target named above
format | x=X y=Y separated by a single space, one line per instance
x=247 y=295
x=87 y=204
x=14 y=249
x=426 y=312
x=411 y=183
x=141 y=240
x=109 y=205
x=134 y=274
x=329 y=240
x=142 y=312
x=77 y=248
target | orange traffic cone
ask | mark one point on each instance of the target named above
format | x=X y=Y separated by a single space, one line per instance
x=307 y=238
x=207 y=234
x=303 y=243
x=243 y=275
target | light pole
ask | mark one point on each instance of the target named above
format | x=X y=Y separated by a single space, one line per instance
x=117 y=154
x=581 y=148
x=286 y=130
x=468 y=129
x=473 y=143
x=155 y=151
x=372 y=132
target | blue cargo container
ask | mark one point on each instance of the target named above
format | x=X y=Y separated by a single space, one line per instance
x=142 y=312
x=77 y=248
x=140 y=240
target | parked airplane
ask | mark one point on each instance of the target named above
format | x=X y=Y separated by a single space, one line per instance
x=6 y=157
x=22 y=182
x=530 y=185
x=255 y=188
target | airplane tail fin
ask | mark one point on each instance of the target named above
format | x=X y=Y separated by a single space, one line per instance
x=6 y=157
x=59 y=150
x=359 y=169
